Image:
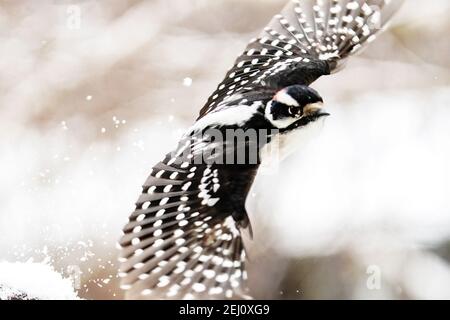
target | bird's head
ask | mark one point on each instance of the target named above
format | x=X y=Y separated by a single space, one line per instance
x=294 y=107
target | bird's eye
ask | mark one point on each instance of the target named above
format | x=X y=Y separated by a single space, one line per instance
x=294 y=111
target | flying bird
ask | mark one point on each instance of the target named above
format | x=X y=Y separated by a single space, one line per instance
x=184 y=238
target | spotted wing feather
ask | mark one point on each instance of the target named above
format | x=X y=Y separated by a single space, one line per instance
x=182 y=240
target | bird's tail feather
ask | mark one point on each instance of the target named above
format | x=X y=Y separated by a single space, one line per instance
x=331 y=30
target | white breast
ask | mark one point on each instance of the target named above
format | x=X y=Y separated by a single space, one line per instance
x=284 y=145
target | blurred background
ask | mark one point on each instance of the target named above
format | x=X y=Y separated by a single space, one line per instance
x=94 y=93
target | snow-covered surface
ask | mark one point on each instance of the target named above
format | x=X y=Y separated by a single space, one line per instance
x=35 y=280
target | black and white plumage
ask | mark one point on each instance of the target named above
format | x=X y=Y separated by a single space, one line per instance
x=184 y=238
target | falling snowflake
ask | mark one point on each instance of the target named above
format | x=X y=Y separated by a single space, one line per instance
x=187 y=82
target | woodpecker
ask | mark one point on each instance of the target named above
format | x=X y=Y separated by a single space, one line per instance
x=184 y=238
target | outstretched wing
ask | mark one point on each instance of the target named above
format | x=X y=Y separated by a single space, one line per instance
x=183 y=239
x=310 y=38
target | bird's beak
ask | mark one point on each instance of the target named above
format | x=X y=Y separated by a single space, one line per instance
x=315 y=110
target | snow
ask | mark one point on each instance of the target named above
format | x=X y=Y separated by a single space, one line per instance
x=187 y=82
x=36 y=280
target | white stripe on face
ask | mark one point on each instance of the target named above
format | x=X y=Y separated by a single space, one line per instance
x=285 y=98
x=279 y=123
